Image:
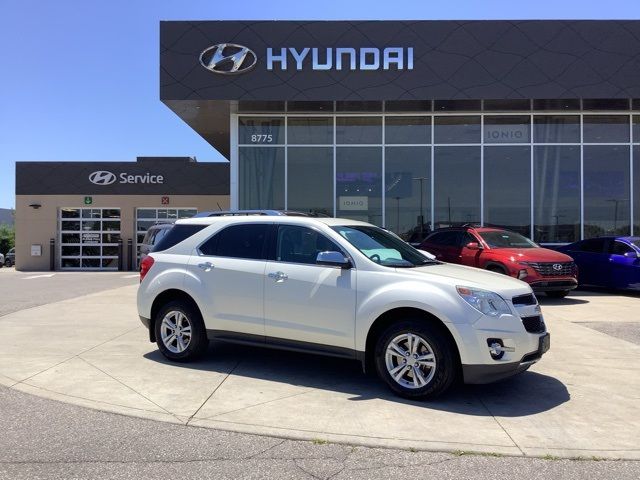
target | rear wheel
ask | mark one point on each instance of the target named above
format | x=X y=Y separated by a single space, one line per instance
x=180 y=332
x=8 y=263
x=415 y=359
x=558 y=294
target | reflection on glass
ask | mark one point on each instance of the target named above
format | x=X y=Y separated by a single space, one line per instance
x=91 y=225
x=91 y=251
x=70 y=263
x=91 y=213
x=456 y=185
x=556 y=129
x=261 y=178
x=358 y=130
x=507 y=188
x=636 y=191
x=606 y=128
x=109 y=251
x=261 y=130
x=90 y=263
x=606 y=190
x=310 y=179
x=309 y=130
x=70 y=238
x=70 y=251
x=111 y=226
x=408 y=191
x=146 y=213
x=69 y=225
x=556 y=187
x=143 y=225
x=70 y=212
x=359 y=183
x=407 y=130
x=111 y=213
x=114 y=237
x=463 y=129
x=187 y=212
x=507 y=129
x=109 y=263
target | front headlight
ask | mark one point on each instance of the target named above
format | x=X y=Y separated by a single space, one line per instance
x=484 y=301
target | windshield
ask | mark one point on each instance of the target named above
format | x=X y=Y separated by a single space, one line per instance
x=382 y=247
x=506 y=239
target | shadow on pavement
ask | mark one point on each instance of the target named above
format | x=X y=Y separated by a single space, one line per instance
x=526 y=394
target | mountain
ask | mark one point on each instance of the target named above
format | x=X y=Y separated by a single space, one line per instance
x=6 y=216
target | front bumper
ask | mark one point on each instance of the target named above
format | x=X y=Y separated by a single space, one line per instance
x=553 y=285
x=487 y=373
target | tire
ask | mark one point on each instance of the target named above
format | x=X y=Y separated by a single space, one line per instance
x=558 y=294
x=7 y=263
x=181 y=348
x=432 y=380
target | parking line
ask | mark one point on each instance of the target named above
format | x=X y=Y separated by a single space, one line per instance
x=38 y=276
x=131 y=276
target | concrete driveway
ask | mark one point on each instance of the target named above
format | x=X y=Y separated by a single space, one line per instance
x=579 y=401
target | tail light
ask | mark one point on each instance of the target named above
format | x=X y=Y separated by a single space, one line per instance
x=145 y=266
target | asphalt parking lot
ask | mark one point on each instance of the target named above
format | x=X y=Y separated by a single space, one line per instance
x=91 y=351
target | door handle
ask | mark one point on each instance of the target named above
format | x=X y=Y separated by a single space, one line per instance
x=206 y=266
x=279 y=277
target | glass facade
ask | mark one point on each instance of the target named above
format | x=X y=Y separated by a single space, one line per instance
x=551 y=172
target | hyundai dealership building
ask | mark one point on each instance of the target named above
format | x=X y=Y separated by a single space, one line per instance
x=416 y=125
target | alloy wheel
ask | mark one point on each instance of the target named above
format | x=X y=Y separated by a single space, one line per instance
x=410 y=360
x=175 y=331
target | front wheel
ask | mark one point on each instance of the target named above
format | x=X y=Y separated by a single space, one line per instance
x=558 y=294
x=180 y=332
x=415 y=359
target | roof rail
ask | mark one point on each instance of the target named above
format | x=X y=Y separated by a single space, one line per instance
x=269 y=213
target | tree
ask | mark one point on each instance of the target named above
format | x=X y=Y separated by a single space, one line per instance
x=7 y=237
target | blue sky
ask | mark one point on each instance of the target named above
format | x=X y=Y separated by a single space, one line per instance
x=79 y=79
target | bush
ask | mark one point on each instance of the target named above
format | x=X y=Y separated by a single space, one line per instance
x=7 y=238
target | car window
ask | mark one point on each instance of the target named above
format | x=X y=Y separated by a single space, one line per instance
x=382 y=247
x=467 y=238
x=450 y=238
x=619 y=248
x=593 y=245
x=177 y=234
x=298 y=244
x=160 y=233
x=506 y=239
x=238 y=241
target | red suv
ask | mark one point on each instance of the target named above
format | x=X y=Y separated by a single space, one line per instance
x=505 y=252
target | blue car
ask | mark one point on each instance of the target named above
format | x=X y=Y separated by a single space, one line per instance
x=611 y=262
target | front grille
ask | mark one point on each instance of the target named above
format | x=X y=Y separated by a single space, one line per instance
x=553 y=269
x=534 y=324
x=528 y=299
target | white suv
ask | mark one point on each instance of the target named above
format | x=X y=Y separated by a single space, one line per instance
x=337 y=287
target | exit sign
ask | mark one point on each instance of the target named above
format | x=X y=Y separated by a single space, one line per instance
x=88 y=200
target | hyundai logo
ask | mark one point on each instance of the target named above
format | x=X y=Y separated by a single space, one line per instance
x=557 y=267
x=228 y=59
x=102 y=177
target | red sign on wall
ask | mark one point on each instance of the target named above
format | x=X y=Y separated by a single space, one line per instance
x=165 y=200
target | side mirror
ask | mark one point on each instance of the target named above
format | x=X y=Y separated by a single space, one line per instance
x=631 y=255
x=473 y=246
x=333 y=259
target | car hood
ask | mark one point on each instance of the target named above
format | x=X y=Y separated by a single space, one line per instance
x=532 y=255
x=455 y=275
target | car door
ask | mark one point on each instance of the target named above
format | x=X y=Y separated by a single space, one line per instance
x=306 y=302
x=624 y=265
x=231 y=267
x=444 y=245
x=468 y=256
x=592 y=261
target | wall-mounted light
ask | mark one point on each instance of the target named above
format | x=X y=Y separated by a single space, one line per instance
x=35 y=205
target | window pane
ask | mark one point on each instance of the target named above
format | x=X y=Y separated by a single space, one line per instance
x=457 y=129
x=261 y=178
x=556 y=129
x=457 y=185
x=606 y=128
x=556 y=184
x=605 y=104
x=307 y=106
x=70 y=213
x=407 y=130
x=507 y=105
x=146 y=213
x=408 y=191
x=407 y=105
x=176 y=235
x=358 y=130
x=261 y=130
x=91 y=225
x=359 y=183
x=606 y=190
x=91 y=251
x=114 y=237
x=636 y=190
x=111 y=226
x=567 y=104
x=90 y=263
x=507 y=188
x=110 y=251
x=187 y=212
x=70 y=263
x=310 y=130
x=70 y=225
x=143 y=225
x=359 y=106
x=457 y=105
x=302 y=245
x=636 y=128
x=70 y=238
x=242 y=241
x=507 y=129
x=111 y=213
x=91 y=213
x=109 y=263
x=310 y=179
x=70 y=251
